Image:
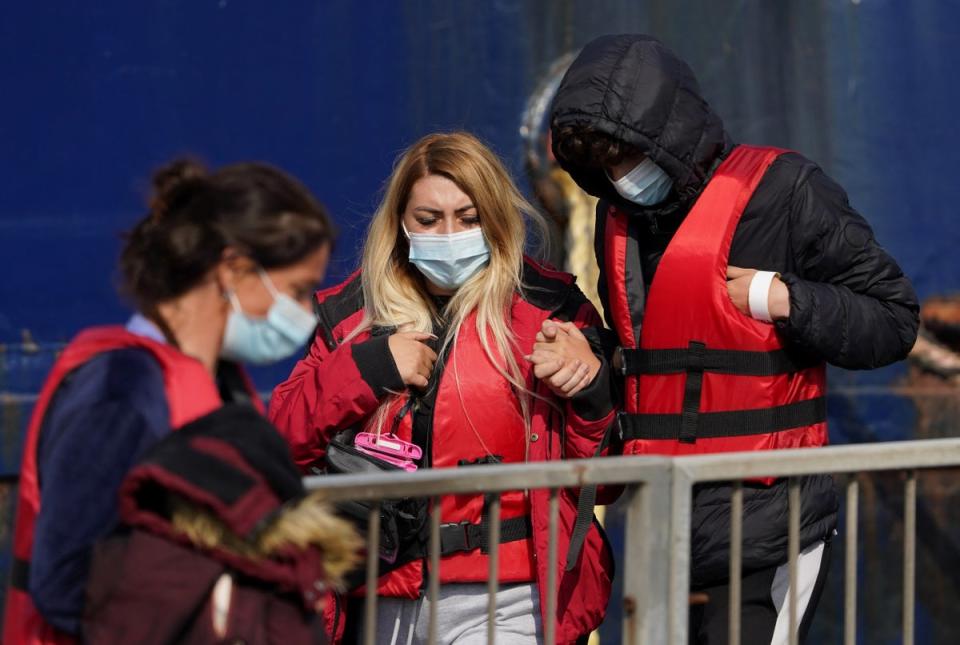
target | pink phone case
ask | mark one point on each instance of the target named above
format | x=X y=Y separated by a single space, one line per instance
x=406 y=464
x=388 y=444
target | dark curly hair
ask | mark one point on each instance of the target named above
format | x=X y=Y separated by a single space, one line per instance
x=195 y=214
x=591 y=148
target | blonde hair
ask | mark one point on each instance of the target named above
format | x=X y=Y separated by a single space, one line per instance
x=394 y=291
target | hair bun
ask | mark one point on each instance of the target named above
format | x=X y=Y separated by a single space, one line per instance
x=171 y=179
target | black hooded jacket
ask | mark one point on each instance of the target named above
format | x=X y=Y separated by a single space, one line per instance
x=850 y=304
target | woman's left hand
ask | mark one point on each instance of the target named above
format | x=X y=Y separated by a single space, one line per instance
x=562 y=358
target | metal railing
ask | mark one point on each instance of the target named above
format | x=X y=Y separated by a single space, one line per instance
x=658 y=505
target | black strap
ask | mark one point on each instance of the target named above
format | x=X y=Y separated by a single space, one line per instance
x=690 y=412
x=465 y=536
x=485 y=521
x=484 y=526
x=481 y=461
x=425 y=403
x=633 y=362
x=20 y=575
x=711 y=425
x=585 y=505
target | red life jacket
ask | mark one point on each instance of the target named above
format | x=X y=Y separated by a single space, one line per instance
x=190 y=392
x=707 y=378
x=471 y=421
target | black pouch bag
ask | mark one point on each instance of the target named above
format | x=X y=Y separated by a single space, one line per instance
x=402 y=521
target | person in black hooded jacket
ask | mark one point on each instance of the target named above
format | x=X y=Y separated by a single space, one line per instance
x=630 y=126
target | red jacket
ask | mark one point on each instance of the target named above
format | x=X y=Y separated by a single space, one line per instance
x=190 y=392
x=339 y=384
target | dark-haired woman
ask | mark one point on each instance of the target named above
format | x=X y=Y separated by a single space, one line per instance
x=221 y=269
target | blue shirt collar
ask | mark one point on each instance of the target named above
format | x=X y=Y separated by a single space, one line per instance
x=141 y=325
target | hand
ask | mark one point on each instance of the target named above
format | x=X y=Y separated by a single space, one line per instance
x=738 y=286
x=562 y=358
x=413 y=357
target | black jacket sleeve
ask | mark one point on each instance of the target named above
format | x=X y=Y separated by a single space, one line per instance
x=850 y=303
x=377 y=366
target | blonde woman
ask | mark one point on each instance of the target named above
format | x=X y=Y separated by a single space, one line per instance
x=435 y=339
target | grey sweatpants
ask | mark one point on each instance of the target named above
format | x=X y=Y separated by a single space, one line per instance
x=462 y=617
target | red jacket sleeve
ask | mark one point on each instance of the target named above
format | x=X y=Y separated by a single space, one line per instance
x=330 y=390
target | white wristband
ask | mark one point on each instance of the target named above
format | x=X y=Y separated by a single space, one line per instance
x=759 y=296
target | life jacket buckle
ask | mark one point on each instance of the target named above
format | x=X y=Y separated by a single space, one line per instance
x=619 y=425
x=620 y=361
x=458 y=536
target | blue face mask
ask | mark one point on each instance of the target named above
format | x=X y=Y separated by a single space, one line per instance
x=449 y=260
x=259 y=341
x=647 y=184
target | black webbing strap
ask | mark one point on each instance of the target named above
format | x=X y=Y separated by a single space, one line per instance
x=634 y=362
x=736 y=423
x=465 y=536
x=690 y=412
x=20 y=574
x=485 y=521
x=585 y=505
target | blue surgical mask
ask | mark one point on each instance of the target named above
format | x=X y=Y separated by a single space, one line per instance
x=647 y=184
x=286 y=328
x=449 y=260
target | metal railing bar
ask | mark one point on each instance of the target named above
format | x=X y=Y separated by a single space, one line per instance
x=850 y=574
x=373 y=565
x=493 y=579
x=736 y=559
x=793 y=555
x=550 y=629
x=632 y=559
x=681 y=506
x=899 y=455
x=433 y=582
x=909 y=555
x=572 y=473
x=647 y=565
x=893 y=455
x=656 y=605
